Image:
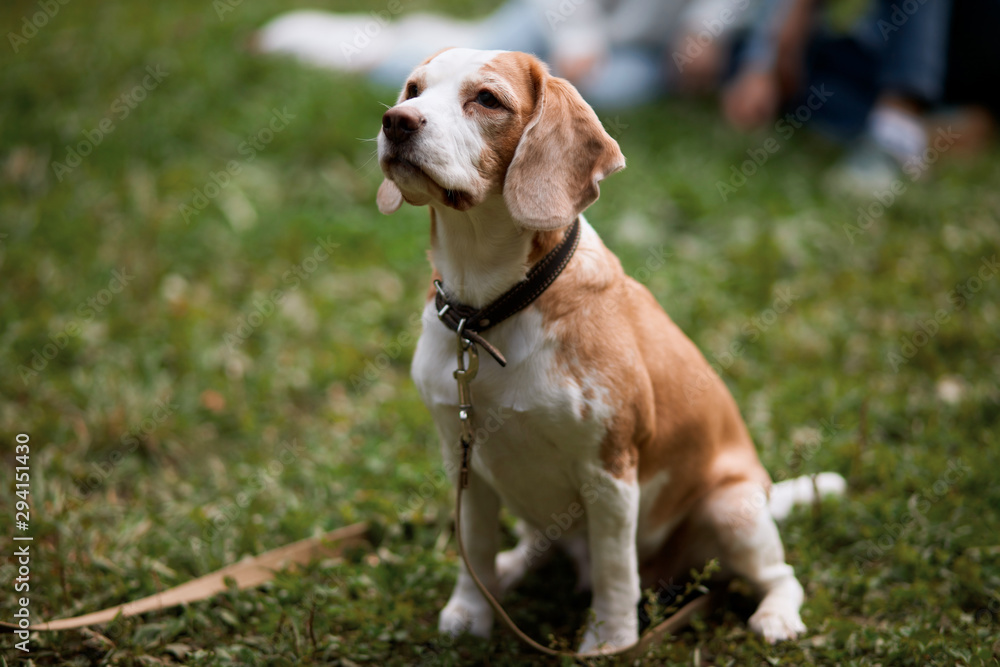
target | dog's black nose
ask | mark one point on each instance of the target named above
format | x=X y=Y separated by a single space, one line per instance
x=400 y=123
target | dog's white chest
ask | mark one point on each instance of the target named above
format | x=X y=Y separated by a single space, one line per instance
x=537 y=436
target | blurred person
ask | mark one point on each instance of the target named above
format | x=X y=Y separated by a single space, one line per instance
x=903 y=59
x=707 y=31
x=619 y=53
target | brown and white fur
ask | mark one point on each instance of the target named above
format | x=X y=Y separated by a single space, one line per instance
x=602 y=433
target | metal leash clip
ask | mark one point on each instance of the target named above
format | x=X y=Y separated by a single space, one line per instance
x=463 y=375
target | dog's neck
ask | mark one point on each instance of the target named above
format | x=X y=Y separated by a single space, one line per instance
x=482 y=252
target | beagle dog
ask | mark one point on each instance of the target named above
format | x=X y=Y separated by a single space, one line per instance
x=607 y=433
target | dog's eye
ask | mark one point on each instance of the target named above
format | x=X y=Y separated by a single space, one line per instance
x=412 y=91
x=487 y=99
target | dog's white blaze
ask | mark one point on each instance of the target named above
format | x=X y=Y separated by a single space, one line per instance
x=451 y=143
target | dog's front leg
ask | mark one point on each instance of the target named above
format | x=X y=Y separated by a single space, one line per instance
x=467 y=610
x=614 y=566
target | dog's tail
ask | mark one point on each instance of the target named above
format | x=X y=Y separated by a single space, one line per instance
x=801 y=490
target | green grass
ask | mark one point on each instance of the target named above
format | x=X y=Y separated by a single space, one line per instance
x=156 y=424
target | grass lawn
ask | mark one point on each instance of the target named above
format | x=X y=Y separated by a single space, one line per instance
x=207 y=327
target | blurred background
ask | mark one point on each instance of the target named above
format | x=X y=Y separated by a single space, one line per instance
x=206 y=326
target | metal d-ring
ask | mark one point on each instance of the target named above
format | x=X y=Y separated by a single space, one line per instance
x=447 y=306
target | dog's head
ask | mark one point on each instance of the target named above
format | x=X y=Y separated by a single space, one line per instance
x=472 y=124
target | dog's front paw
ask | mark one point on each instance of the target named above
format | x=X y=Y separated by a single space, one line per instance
x=462 y=616
x=776 y=625
x=609 y=636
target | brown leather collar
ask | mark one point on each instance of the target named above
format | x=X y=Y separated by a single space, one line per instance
x=470 y=322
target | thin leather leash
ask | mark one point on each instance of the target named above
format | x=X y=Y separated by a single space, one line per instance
x=247 y=573
x=468 y=323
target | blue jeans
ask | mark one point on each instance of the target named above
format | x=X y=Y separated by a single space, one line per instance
x=900 y=47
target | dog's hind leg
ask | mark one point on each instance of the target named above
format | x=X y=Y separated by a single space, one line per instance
x=746 y=539
x=578 y=549
x=528 y=555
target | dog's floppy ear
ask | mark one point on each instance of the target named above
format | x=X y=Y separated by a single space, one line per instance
x=389 y=198
x=563 y=154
